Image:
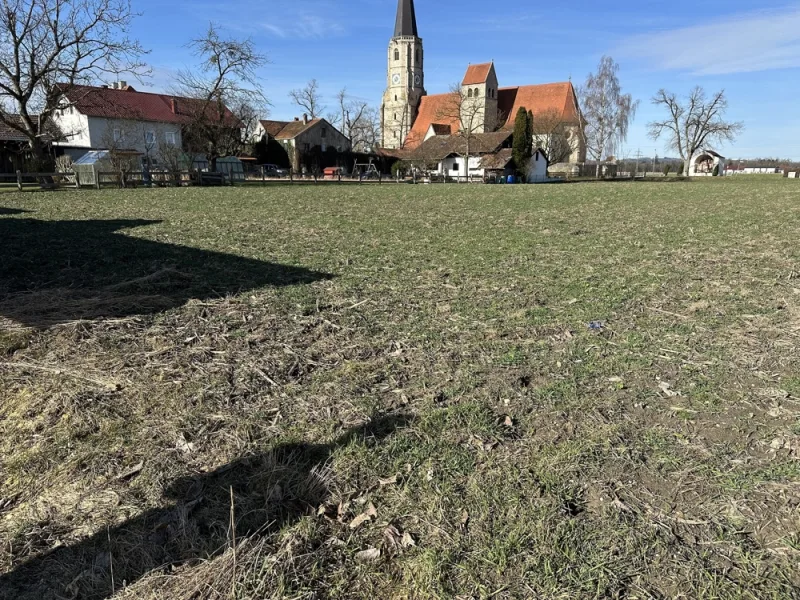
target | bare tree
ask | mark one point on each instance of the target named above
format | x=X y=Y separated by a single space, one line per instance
x=48 y=46
x=693 y=123
x=558 y=139
x=460 y=107
x=222 y=95
x=309 y=99
x=357 y=120
x=607 y=111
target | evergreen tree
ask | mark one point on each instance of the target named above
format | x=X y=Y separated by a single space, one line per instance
x=521 y=145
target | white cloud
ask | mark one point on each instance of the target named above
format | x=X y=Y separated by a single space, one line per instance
x=303 y=26
x=747 y=42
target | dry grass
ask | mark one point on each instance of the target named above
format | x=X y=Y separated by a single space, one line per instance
x=205 y=393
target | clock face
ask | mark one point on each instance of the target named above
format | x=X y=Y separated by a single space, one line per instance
x=417 y=79
x=396 y=79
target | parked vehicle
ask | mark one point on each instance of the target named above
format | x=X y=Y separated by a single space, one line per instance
x=271 y=170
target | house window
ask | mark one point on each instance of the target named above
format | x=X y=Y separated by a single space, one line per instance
x=396 y=54
x=477 y=93
x=150 y=138
x=118 y=135
x=469 y=93
x=324 y=147
x=171 y=138
x=324 y=132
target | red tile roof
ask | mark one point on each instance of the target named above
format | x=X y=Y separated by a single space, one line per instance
x=433 y=109
x=477 y=74
x=559 y=98
x=130 y=104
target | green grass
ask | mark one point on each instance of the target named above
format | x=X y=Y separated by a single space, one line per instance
x=312 y=351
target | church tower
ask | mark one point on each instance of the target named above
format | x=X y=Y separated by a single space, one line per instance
x=405 y=78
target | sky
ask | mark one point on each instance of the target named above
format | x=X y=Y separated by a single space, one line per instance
x=749 y=49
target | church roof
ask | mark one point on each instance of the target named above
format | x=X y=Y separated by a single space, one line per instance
x=406 y=23
x=558 y=98
x=477 y=74
x=432 y=109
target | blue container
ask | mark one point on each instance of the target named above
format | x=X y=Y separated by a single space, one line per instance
x=511 y=179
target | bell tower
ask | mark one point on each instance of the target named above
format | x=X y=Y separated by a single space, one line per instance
x=404 y=78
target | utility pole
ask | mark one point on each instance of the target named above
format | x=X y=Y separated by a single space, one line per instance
x=638 y=158
x=655 y=158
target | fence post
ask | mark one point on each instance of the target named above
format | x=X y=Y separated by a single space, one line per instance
x=77 y=180
x=291 y=175
x=380 y=177
x=263 y=175
x=19 y=180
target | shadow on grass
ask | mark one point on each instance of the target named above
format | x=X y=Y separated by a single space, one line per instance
x=270 y=491
x=12 y=211
x=58 y=271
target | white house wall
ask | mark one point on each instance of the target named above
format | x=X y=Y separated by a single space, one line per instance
x=537 y=168
x=96 y=133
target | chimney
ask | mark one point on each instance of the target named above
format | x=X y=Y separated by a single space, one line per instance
x=296 y=119
x=305 y=119
x=174 y=106
x=122 y=85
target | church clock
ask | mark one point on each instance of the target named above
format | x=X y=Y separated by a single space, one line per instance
x=417 y=79
x=396 y=79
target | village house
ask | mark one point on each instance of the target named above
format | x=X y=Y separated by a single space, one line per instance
x=147 y=127
x=307 y=142
x=410 y=117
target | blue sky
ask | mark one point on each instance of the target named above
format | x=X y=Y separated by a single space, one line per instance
x=751 y=52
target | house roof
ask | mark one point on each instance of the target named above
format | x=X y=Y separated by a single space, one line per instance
x=273 y=128
x=406 y=22
x=295 y=128
x=9 y=134
x=497 y=160
x=558 y=98
x=442 y=146
x=128 y=103
x=477 y=74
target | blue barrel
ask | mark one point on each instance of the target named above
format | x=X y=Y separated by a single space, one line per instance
x=510 y=179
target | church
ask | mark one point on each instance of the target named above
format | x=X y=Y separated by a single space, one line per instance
x=410 y=117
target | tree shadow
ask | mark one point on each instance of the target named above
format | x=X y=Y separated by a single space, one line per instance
x=270 y=491
x=58 y=271
x=12 y=211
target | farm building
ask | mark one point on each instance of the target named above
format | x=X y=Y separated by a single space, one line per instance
x=304 y=140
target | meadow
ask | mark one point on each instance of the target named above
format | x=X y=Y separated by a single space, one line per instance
x=450 y=391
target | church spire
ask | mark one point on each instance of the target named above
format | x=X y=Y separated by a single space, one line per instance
x=406 y=24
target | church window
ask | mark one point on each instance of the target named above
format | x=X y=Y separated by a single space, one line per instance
x=395 y=97
x=418 y=57
x=477 y=93
x=396 y=54
x=469 y=93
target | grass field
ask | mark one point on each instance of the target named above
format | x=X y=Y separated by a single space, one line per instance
x=573 y=391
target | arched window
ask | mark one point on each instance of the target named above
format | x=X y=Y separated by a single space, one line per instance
x=395 y=97
x=396 y=54
x=418 y=55
x=469 y=93
x=477 y=93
